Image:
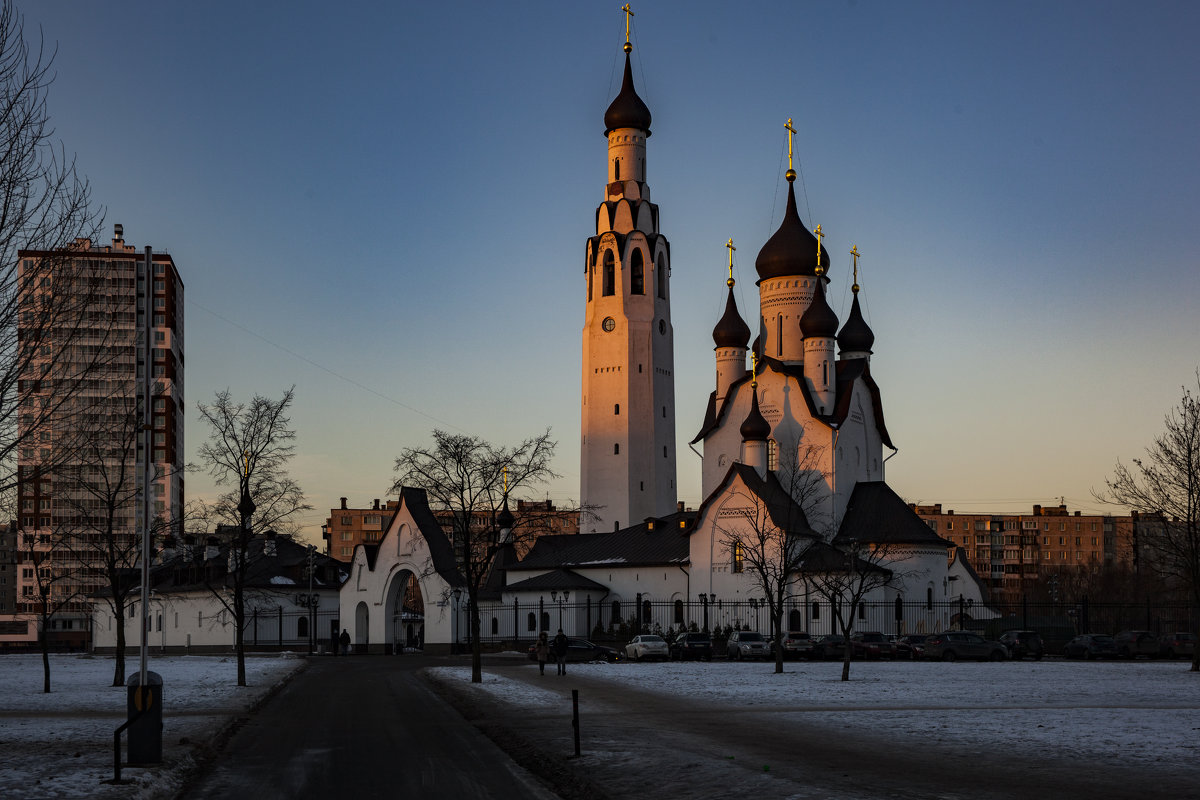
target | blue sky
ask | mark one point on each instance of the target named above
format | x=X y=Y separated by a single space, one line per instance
x=386 y=205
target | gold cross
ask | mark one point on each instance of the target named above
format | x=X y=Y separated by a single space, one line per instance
x=753 y=370
x=854 y=254
x=628 y=13
x=729 y=246
x=820 y=236
x=504 y=472
x=790 y=131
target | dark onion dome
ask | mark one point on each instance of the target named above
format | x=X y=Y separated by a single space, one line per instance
x=792 y=250
x=755 y=428
x=505 y=519
x=732 y=330
x=818 y=319
x=627 y=110
x=856 y=335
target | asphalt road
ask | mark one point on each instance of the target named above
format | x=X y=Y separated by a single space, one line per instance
x=364 y=727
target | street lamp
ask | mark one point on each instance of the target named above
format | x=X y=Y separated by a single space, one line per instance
x=560 y=599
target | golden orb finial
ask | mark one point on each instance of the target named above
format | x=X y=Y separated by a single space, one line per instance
x=790 y=175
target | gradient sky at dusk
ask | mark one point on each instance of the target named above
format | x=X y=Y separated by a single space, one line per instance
x=386 y=204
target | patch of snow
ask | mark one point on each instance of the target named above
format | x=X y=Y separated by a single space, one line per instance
x=282 y=580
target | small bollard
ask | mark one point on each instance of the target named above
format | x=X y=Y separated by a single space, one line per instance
x=575 y=718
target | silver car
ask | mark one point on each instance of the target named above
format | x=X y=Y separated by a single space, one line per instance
x=747 y=644
x=647 y=646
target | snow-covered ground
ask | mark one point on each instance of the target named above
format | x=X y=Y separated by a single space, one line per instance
x=1143 y=713
x=59 y=745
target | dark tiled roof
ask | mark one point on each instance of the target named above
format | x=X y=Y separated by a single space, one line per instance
x=847 y=372
x=782 y=510
x=637 y=545
x=441 y=552
x=856 y=335
x=822 y=557
x=557 y=579
x=877 y=515
x=818 y=319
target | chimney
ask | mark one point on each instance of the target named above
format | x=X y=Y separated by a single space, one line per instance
x=118 y=233
x=212 y=549
x=269 y=545
x=376 y=506
x=343 y=504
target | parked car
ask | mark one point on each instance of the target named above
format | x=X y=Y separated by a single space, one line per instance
x=647 y=646
x=582 y=650
x=911 y=646
x=871 y=644
x=1023 y=643
x=747 y=644
x=1174 y=645
x=688 y=644
x=955 y=645
x=832 y=645
x=1131 y=644
x=1091 y=645
x=796 y=644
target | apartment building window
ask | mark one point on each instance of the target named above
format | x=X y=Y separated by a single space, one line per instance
x=1047 y=526
x=160 y=302
x=1093 y=526
x=160 y=319
x=1093 y=541
x=1062 y=526
x=1062 y=540
x=345 y=520
x=1077 y=541
x=1078 y=526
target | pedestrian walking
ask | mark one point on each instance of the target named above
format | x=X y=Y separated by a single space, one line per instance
x=542 y=649
x=345 y=640
x=560 y=652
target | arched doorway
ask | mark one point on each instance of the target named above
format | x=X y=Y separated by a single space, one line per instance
x=405 y=606
x=362 y=618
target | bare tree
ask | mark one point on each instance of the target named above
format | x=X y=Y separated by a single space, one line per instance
x=470 y=480
x=54 y=591
x=770 y=536
x=45 y=218
x=1164 y=488
x=249 y=445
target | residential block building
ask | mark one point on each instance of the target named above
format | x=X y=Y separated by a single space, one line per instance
x=88 y=377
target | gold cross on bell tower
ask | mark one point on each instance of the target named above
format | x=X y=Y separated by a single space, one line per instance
x=731 y=248
x=854 y=254
x=628 y=15
x=753 y=369
x=820 y=236
x=791 y=173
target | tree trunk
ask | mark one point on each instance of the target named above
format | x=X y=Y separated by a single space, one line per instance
x=119 y=665
x=45 y=642
x=239 y=619
x=476 y=647
x=777 y=624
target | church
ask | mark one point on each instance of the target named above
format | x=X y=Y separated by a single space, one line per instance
x=793 y=443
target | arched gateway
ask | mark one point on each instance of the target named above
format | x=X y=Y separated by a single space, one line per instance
x=400 y=592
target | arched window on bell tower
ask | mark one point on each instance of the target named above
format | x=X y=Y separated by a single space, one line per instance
x=637 y=274
x=662 y=277
x=616 y=169
x=610 y=274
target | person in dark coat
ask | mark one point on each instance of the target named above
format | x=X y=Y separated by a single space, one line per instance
x=345 y=640
x=542 y=650
x=559 y=646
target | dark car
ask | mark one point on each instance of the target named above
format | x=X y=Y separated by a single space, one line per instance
x=956 y=645
x=1023 y=643
x=581 y=650
x=691 y=645
x=796 y=644
x=1174 y=645
x=871 y=644
x=911 y=646
x=1091 y=645
x=1131 y=644
x=832 y=645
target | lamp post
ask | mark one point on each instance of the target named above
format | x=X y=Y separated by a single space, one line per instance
x=311 y=565
x=560 y=599
x=704 y=605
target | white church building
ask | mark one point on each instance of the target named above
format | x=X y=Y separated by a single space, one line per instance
x=794 y=426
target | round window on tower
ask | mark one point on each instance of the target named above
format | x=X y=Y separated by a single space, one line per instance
x=608 y=324
x=662 y=327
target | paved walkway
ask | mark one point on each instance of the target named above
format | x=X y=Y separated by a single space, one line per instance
x=362 y=727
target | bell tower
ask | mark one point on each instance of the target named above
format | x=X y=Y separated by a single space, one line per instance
x=628 y=399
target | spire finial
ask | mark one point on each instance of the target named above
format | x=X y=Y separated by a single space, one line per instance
x=854 y=254
x=753 y=370
x=820 y=270
x=729 y=246
x=791 y=173
x=628 y=14
x=504 y=475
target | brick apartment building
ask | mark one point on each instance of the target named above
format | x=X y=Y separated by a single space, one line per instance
x=1012 y=553
x=347 y=527
x=120 y=347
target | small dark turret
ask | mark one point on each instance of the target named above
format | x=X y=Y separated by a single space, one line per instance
x=791 y=250
x=818 y=319
x=755 y=428
x=856 y=337
x=627 y=110
x=731 y=330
